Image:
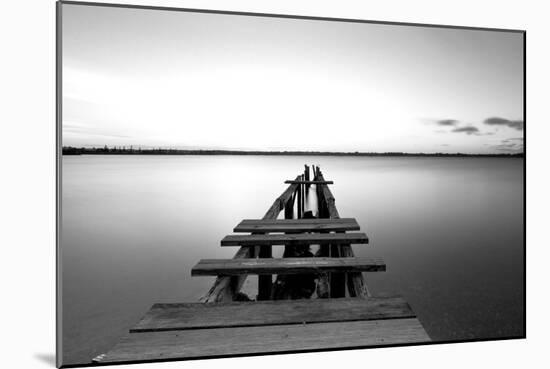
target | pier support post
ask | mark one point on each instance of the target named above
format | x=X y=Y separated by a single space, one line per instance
x=337 y=280
x=303 y=189
x=300 y=203
x=265 y=282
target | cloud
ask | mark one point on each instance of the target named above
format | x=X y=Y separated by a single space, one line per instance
x=513 y=145
x=447 y=122
x=519 y=139
x=496 y=121
x=469 y=130
x=508 y=148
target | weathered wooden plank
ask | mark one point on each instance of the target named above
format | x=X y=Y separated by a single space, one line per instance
x=287 y=266
x=164 y=317
x=297 y=225
x=323 y=283
x=327 y=196
x=217 y=342
x=289 y=239
x=309 y=182
x=312 y=221
x=225 y=288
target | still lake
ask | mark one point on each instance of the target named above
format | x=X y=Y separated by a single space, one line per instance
x=449 y=229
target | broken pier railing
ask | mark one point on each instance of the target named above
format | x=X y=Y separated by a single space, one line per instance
x=226 y=287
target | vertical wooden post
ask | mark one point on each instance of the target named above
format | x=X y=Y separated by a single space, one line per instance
x=306 y=187
x=289 y=214
x=337 y=280
x=303 y=187
x=299 y=203
x=304 y=196
x=265 y=282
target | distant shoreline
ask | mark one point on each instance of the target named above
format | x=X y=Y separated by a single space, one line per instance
x=130 y=151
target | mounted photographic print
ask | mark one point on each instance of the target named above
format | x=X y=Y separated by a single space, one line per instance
x=238 y=184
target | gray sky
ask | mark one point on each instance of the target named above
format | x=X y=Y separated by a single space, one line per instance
x=190 y=80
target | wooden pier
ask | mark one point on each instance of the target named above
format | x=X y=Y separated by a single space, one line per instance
x=305 y=301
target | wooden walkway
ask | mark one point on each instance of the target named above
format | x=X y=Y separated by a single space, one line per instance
x=343 y=314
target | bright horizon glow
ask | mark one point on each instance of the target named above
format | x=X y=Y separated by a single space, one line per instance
x=154 y=78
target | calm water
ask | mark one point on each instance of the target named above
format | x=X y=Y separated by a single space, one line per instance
x=449 y=229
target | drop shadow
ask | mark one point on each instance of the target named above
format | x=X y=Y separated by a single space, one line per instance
x=46 y=358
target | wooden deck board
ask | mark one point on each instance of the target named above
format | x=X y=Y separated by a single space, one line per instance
x=216 y=342
x=287 y=266
x=308 y=182
x=289 y=239
x=164 y=317
x=297 y=225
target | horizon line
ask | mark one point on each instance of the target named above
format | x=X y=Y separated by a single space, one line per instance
x=175 y=151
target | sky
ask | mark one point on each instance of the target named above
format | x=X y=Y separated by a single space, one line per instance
x=152 y=78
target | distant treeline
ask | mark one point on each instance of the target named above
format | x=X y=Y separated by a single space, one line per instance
x=129 y=150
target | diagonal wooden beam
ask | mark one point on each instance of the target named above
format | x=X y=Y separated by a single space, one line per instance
x=224 y=287
x=355 y=281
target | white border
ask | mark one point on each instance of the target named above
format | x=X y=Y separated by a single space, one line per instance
x=28 y=180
